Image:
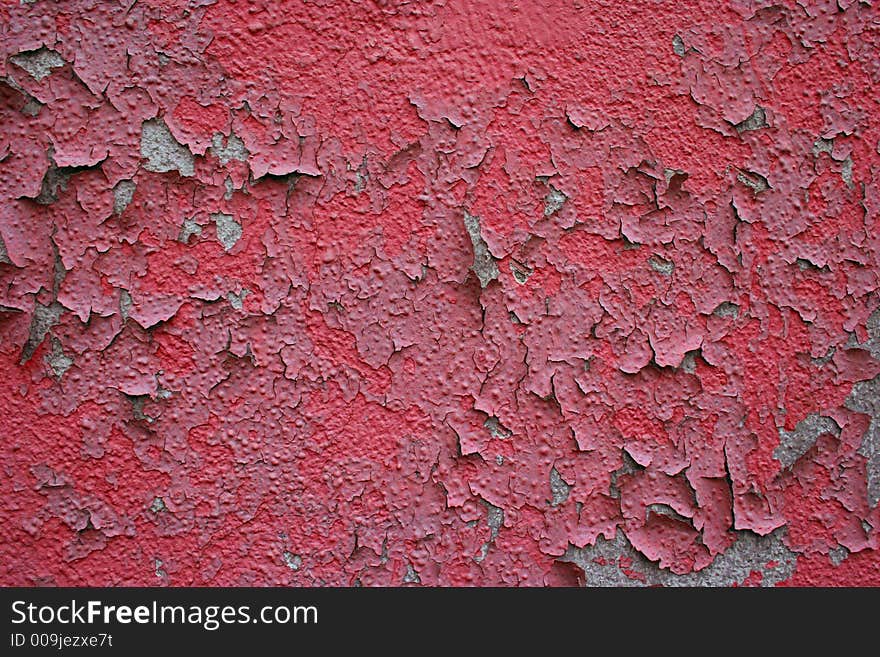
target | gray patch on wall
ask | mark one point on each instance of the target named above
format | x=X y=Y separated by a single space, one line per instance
x=58 y=360
x=865 y=398
x=794 y=444
x=293 y=561
x=661 y=265
x=237 y=300
x=190 y=227
x=38 y=63
x=411 y=576
x=228 y=229
x=726 y=309
x=162 y=151
x=44 y=318
x=123 y=192
x=4 y=254
x=756 y=121
x=559 y=488
x=484 y=265
x=554 y=201
x=233 y=149
x=678 y=46
x=750 y=552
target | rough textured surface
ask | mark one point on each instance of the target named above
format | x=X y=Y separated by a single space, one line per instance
x=439 y=293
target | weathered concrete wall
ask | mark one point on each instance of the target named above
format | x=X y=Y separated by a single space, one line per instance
x=441 y=292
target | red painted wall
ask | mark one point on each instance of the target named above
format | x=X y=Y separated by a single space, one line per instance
x=450 y=293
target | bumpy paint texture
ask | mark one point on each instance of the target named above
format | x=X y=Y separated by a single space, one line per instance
x=440 y=293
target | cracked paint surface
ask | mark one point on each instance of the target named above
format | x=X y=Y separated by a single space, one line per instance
x=440 y=293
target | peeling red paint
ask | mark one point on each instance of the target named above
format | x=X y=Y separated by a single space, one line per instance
x=440 y=293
